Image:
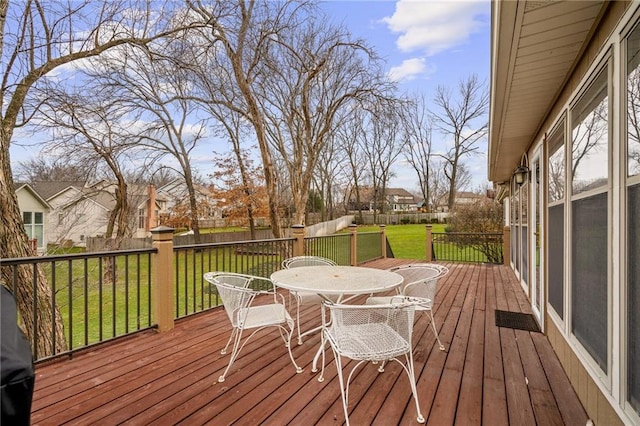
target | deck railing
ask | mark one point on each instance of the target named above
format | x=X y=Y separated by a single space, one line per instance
x=468 y=247
x=101 y=296
x=104 y=295
x=193 y=294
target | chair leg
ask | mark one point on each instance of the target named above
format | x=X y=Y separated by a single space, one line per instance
x=435 y=330
x=288 y=344
x=412 y=381
x=343 y=393
x=298 y=320
x=234 y=353
x=231 y=337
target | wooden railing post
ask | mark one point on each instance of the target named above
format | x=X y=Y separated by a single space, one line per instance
x=353 y=228
x=162 y=285
x=383 y=241
x=506 y=245
x=429 y=243
x=298 y=244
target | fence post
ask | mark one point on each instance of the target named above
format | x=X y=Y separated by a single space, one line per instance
x=506 y=246
x=162 y=285
x=383 y=241
x=298 y=244
x=353 y=228
x=429 y=244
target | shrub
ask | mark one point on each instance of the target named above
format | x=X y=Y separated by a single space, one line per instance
x=405 y=220
x=484 y=217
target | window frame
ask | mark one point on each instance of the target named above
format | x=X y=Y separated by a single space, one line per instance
x=605 y=64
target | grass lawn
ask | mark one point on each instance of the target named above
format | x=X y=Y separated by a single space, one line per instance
x=406 y=241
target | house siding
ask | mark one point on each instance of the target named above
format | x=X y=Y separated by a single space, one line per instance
x=602 y=397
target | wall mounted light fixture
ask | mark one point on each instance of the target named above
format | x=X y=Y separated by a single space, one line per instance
x=521 y=173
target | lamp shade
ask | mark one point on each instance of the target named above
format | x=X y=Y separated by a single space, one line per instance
x=520 y=174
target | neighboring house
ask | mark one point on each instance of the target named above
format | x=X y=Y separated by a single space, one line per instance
x=35 y=211
x=462 y=198
x=400 y=200
x=564 y=146
x=77 y=211
x=171 y=200
x=395 y=199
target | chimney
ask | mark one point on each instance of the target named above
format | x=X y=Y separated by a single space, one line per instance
x=151 y=221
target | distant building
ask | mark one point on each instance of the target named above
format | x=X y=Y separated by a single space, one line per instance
x=394 y=199
x=34 y=210
x=462 y=198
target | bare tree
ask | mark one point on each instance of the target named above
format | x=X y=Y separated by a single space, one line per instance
x=235 y=129
x=348 y=138
x=316 y=72
x=382 y=145
x=331 y=162
x=589 y=138
x=438 y=185
x=240 y=35
x=633 y=122
x=43 y=37
x=48 y=168
x=158 y=94
x=457 y=117
x=417 y=131
x=90 y=126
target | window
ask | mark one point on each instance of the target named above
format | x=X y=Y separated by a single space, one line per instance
x=524 y=229
x=34 y=226
x=633 y=219
x=555 y=190
x=141 y=218
x=589 y=220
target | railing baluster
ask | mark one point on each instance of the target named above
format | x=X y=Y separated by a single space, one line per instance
x=53 y=306
x=86 y=301
x=70 y=301
x=114 y=332
x=126 y=294
x=35 y=309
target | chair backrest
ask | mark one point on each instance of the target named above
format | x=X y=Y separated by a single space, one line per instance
x=362 y=331
x=234 y=291
x=297 y=261
x=421 y=279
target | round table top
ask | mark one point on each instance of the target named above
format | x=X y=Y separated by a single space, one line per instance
x=336 y=279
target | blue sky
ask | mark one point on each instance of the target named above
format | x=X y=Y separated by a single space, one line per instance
x=425 y=43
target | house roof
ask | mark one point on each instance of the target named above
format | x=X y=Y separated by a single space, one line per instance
x=535 y=46
x=18 y=186
x=366 y=193
x=49 y=189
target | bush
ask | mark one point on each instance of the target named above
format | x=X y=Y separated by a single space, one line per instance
x=434 y=220
x=405 y=221
x=485 y=217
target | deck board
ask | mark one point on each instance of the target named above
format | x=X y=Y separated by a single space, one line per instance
x=487 y=375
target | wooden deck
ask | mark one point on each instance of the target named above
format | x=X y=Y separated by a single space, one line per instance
x=488 y=375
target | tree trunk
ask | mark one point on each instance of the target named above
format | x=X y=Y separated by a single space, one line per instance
x=42 y=324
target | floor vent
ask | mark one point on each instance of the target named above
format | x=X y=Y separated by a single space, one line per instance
x=518 y=320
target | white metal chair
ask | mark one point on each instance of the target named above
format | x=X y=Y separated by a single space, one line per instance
x=238 y=299
x=302 y=297
x=421 y=283
x=370 y=333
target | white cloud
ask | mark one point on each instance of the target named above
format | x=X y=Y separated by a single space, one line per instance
x=410 y=69
x=435 y=26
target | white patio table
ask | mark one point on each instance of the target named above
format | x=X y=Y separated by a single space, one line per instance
x=338 y=281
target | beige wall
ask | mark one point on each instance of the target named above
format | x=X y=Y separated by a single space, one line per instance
x=599 y=409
